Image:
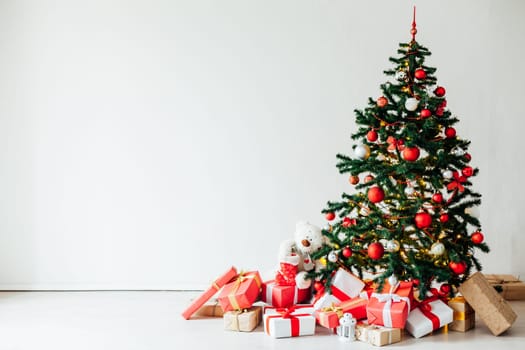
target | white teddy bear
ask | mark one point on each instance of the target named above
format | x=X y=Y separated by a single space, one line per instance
x=308 y=238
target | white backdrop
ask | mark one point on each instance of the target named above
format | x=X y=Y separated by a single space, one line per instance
x=152 y=144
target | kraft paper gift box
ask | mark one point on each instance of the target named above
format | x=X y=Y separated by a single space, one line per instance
x=508 y=286
x=377 y=335
x=329 y=316
x=464 y=316
x=283 y=296
x=292 y=322
x=429 y=316
x=243 y=320
x=490 y=307
x=346 y=285
x=390 y=309
x=211 y=308
x=210 y=292
x=242 y=292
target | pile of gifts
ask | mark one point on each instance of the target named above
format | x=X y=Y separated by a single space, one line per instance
x=354 y=309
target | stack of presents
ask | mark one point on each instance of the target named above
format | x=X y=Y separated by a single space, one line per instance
x=352 y=308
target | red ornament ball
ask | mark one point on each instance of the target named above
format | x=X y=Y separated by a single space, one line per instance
x=458 y=267
x=425 y=113
x=440 y=91
x=354 y=179
x=437 y=197
x=318 y=285
x=381 y=102
x=423 y=220
x=440 y=111
x=330 y=216
x=347 y=252
x=411 y=154
x=371 y=136
x=443 y=218
x=347 y=222
x=450 y=132
x=415 y=282
x=420 y=74
x=376 y=251
x=477 y=237
x=445 y=288
x=467 y=171
x=376 y=194
x=368 y=178
x=468 y=157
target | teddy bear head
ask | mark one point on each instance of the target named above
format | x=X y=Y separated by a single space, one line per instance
x=308 y=238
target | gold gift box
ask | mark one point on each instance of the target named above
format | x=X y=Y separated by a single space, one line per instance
x=377 y=335
x=464 y=315
x=243 y=320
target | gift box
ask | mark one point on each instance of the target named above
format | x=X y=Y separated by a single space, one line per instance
x=291 y=322
x=242 y=292
x=329 y=316
x=283 y=296
x=508 y=286
x=464 y=317
x=390 y=309
x=429 y=316
x=211 y=308
x=345 y=285
x=490 y=306
x=377 y=335
x=243 y=320
x=210 y=292
x=402 y=288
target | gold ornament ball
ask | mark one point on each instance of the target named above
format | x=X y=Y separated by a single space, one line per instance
x=322 y=260
x=392 y=246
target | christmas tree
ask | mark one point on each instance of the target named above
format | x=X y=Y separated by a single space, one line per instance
x=409 y=217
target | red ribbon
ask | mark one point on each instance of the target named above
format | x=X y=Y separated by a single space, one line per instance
x=339 y=294
x=426 y=308
x=287 y=314
x=456 y=184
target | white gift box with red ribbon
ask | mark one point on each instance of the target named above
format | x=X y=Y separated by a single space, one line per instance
x=428 y=317
x=289 y=322
x=345 y=285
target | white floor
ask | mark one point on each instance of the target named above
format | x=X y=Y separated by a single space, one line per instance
x=152 y=320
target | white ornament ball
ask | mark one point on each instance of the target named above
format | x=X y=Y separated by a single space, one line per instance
x=401 y=75
x=459 y=152
x=411 y=104
x=447 y=174
x=437 y=248
x=409 y=190
x=332 y=256
x=362 y=151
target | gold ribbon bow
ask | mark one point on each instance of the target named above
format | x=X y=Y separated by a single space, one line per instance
x=333 y=308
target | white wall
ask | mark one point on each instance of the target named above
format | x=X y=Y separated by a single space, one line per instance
x=151 y=144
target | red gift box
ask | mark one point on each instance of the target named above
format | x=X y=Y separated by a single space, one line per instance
x=390 y=309
x=210 y=292
x=242 y=292
x=283 y=296
x=329 y=316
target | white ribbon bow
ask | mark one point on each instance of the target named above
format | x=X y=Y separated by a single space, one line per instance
x=388 y=299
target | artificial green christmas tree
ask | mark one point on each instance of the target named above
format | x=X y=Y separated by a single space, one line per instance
x=410 y=214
